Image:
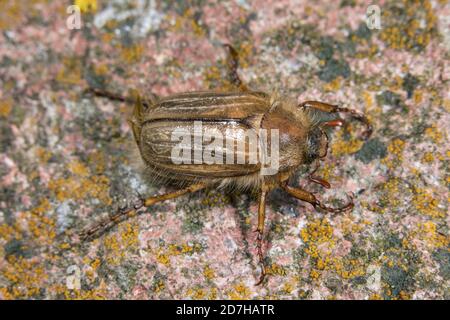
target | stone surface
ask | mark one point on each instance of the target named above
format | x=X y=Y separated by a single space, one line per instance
x=65 y=159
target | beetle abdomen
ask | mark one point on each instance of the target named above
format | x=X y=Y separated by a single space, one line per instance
x=173 y=146
x=163 y=147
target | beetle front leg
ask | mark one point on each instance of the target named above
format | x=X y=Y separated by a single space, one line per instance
x=310 y=198
x=123 y=213
x=233 y=65
x=330 y=108
x=324 y=183
x=260 y=231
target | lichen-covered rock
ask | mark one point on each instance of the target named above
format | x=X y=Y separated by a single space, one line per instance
x=67 y=162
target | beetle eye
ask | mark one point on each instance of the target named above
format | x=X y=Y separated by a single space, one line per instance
x=317 y=145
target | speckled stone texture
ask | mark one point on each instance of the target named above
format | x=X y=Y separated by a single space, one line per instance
x=65 y=159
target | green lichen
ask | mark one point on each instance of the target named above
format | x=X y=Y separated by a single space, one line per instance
x=371 y=150
x=333 y=69
x=409 y=84
x=442 y=256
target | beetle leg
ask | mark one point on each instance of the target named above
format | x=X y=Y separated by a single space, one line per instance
x=310 y=198
x=260 y=231
x=330 y=108
x=122 y=214
x=233 y=65
x=109 y=95
x=324 y=183
x=333 y=123
x=133 y=98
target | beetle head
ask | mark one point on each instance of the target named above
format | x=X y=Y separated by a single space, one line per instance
x=316 y=144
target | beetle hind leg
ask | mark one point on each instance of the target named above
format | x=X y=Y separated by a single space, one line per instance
x=260 y=232
x=125 y=213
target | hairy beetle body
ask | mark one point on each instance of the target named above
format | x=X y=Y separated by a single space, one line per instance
x=230 y=114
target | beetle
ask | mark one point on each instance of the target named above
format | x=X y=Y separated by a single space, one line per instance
x=302 y=141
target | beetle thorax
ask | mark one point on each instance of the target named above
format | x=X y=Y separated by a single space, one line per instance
x=293 y=125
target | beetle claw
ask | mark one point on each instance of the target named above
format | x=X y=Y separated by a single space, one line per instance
x=350 y=204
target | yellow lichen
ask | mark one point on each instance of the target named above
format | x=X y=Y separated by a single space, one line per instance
x=425 y=203
x=159 y=286
x=434 y=133
x=239 y=292
x=416 y=31
x=395 y=150
x=275 y=269
x=131 y=54
x=118 y=244
x=164 y=253
x=428 y=157
x=375 y=296
x=333 y=85
x=70 y=72
x=396 y=147
x=428 y=232
x=43 y=154
x=208 y=273
x=81 y=185
x=86 y=6
x=317 y=231
x=418 y=96
x=6 y=107
x=198 y=294
x=288 y=287
x=26 y=277
x=341 y=146
x=368 y=99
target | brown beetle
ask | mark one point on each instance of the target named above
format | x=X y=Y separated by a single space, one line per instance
x=302 y=140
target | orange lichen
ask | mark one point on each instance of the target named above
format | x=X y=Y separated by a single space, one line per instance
x=426 y=204
x=6 y=107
